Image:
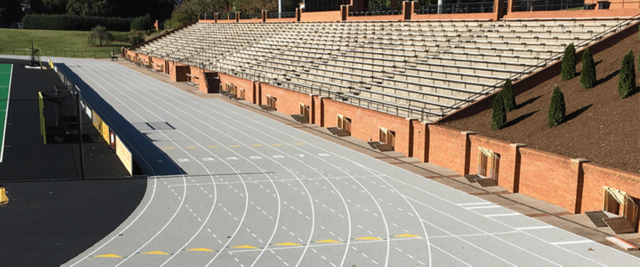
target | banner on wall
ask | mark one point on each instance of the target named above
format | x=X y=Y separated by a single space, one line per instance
x=124 y=154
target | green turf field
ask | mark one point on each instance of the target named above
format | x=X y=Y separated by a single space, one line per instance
x=5 y=86
x=52 y=43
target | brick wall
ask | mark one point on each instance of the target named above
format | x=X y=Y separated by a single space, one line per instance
x=240 y=83
x=288 y=101
x=420 y=136
x=507 y=165
x=596 y=177
x=548 y=177
x=365 y=122
x=321 y=16
x=447 y=148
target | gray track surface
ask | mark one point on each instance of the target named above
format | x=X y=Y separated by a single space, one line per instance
x=289 y=198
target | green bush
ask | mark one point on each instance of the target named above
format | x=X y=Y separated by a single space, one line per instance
x=627 y=79
x=508 y=96
x=499 y=114
x=142 y=23
x=74 y=23
x=556 y=108
x=569 y=63
x=588 y=74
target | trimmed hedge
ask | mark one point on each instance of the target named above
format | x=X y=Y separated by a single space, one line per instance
x=143 y=23
x=509 y=96
x=627 y=78
x=569 y=62
x=556 y=108
x=499 y=114
x=588 y=74
x=74 y=23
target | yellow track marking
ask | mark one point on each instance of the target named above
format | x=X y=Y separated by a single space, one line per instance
x=257 y=145
x=107 y=256
x=368 y=238
x=287 y=244
x=406 y=235
x=170 y=147
x=244 y=246
x=157 y=252
x=201 y=249
x=328 y=241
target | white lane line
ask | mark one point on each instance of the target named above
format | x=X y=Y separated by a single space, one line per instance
x=572 y=242
x=214 y=128
x=6 y=115
x=535 y=227
x=184 y=194
x=502 y=214
x=475 y=203
x=183 y=176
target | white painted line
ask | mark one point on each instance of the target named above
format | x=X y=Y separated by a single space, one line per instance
x=502 y=215
x=535 y=227
x=572 y=242
x=484 y=207
x=6 y=115
x=475 y=203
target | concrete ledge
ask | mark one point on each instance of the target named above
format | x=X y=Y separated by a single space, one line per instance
x=622 y=243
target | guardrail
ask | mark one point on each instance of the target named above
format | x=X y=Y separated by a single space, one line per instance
x=276 y=15
x=518 y=76
x=375 y=11
x=480 y=7
x=55 y=53
x=250 y=16
x=389 y=108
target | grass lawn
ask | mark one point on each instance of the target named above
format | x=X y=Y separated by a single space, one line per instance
x=52 y=43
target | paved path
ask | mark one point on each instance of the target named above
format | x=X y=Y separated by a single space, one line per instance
x=255 y=192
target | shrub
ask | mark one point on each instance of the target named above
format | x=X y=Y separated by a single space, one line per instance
x=627 y=79
x=588 y=74
x=142 y=23
x=556 y=108
x=508 y=96
x=100 y=34
x=74 y=23
x=499 y=115
x=569 y=63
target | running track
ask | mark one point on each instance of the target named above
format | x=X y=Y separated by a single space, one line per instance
x=258 y=193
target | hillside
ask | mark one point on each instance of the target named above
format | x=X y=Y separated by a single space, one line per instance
x=51 y=43
x=599 y=125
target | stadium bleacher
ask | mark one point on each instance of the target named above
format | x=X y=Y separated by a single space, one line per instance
x=433 y=66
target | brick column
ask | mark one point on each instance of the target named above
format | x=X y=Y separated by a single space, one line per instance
x=510 y=5
x=298 y=14
x=238 y=16
x=578 y=171
x=512 y=182
x=498 y=9
x=407 y=9
x=344 y=12
x=467 y=151
x=264 y=15
x=215 y=17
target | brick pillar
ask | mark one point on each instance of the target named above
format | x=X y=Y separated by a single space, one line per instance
x=320 y=110
x=512 y=181
x=344 y=12
x=215 y=17
x=578 y=171
x=467 y=151
x=238 y=16
x=498 y=9
x=407 y=9
x=264 y=15
x=298 y=14
x=258 y=96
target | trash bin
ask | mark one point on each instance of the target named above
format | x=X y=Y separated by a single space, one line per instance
x=603 y=4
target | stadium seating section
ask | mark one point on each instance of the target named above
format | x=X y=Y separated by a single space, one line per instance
x=429 y=67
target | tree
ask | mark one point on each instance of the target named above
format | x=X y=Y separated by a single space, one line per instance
x=509 y=96
x=569 y=63
x=556 y=108
x=100 y=34
x=255 y=6
x=10 y=12
x=89 y=7
x=142 y=23
x=627 y=79
x=588 y=74
x=190 y=9
x=499 y=115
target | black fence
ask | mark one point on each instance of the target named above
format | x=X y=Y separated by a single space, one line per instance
x=209 y=17
x=375 y=11
x=250 y=16
x=275 y=15
x=479 y=7
x=231 y=16
x=548 y=5
x=324 y=5
x=55 y=53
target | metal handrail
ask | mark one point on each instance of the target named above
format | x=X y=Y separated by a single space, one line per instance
x=457 y=8
x=518 y=76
